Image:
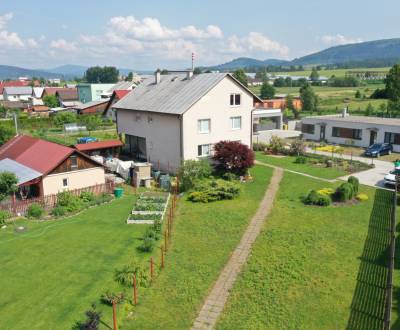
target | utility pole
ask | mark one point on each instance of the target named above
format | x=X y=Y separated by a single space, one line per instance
x=16 y=123
x=192 y=61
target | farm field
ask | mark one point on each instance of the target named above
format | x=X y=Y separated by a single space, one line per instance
x=203 y=239
x=314 y=267
x=336 y=72
x=334 y=99
x=55 y=270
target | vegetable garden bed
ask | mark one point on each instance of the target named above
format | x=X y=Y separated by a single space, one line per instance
x=148 y=208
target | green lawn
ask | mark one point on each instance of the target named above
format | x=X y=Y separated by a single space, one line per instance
x=287 y=162
x=204 y=237
x=54 y=271
x=313 y=267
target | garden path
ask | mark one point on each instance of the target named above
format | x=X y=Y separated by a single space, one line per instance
x=215 y=301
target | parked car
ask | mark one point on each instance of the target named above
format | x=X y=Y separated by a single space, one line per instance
x=379 y=149
x=390 y=179
x=86 y=139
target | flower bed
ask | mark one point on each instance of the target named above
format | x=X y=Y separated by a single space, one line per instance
x=148 y=208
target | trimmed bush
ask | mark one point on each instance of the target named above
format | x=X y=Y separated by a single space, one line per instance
x=354 y=181
x=326 y=191
x=314 y=198
x=214 y=190
x=301 y=160
x=345 y=192
x=34 y=211
x=362 y=197
x=259 y=146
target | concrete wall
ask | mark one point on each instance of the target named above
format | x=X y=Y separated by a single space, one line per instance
x=364 y=142
x=162 y=133
x=53 y=184
x=216 y=107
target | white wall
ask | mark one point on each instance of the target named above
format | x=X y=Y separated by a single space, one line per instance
x=53 y=184
x=364 y=142
x=162 y=135
x=216 y=106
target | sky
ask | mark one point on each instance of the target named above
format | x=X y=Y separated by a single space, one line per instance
x=145 y=35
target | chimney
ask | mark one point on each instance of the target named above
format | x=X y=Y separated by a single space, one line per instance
x=189 y=74
x=344 y=112
x=157 y=76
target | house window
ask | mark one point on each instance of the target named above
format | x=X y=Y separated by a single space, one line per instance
x=392 y=138
x=235 y=99
x=347 y=133
x=307 y=128
x=74 y=162
x=65 y=182
x=204 y=125
x=204 y=150
x=236 y=122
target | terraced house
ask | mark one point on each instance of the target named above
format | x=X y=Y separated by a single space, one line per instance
x=180 y=116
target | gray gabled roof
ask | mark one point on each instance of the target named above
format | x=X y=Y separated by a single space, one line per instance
x=23 y=173
x=25 y=90
x=174 y=94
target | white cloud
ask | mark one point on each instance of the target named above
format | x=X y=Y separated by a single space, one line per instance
x=339 y=39
x=10 y=39
x=4 y=19
x=64 y=45
x=255 y=43
x=150 y=28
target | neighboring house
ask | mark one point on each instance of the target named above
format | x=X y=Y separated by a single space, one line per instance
x=359 y=131
x=122 y=85
x=11 y=83
x=38 y=92
x=14 y=105
x=110 y=148
x=51 y=91
x=40 y=110
x=92 y=92
x=51 y=167
x=116 y=96
x=92 y=107
x=68 y=97
x=254 y=82
x=280 y=103
x=171 y=118
x=14 y=94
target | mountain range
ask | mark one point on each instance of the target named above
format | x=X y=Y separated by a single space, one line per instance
x=378 y=53
x=371 y=53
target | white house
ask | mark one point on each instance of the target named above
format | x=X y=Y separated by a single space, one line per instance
x=355 y=130
x=17 y=93
x=179 y=116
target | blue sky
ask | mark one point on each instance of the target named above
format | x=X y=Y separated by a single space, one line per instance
x=151 y=34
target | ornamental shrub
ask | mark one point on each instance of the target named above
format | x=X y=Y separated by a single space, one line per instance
x=297 y=147
x=147 y=244
x=214 y=190
x=233 y=157
x=108 y=297
x=326 y=191
x=344 y=192
x=59 y=211
x=314 y=198
x=301 y=160
x=192 y=170
x=35 y=211
x=362 y=197
x=4 y=215
x=259 y=146
x=87 y=196
x=355 y=183
x=71 y=202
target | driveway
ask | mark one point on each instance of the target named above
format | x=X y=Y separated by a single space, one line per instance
x=265 y=136
x=373 y=177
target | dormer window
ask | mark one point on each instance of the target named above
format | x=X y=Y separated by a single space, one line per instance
x=235 y=99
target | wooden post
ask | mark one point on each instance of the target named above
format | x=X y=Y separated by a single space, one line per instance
x=151 y=269
x=114 y=314
x=134 y=289
x=165 y=240
x=162 y=257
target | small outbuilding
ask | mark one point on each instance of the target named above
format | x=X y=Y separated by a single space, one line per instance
x=109 y=148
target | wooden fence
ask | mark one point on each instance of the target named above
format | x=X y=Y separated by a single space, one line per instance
x=16 y=206
x=392 y=250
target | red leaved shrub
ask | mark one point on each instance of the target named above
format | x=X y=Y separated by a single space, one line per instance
x=233 y=157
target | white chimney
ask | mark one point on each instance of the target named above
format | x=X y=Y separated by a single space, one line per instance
x=189 y=74
x=157 y=76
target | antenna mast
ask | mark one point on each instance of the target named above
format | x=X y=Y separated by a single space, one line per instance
x=192 y=61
